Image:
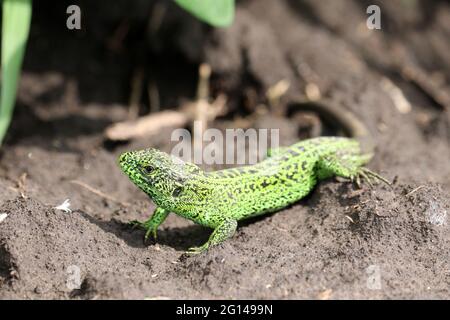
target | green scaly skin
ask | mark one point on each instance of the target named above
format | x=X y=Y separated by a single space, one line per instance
x=220 y=199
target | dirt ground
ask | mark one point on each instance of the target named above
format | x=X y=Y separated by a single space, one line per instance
x=338 y=243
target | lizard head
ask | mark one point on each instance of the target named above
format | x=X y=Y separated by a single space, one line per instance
x=161 y=176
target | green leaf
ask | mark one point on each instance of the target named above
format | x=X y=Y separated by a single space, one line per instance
x=16 y=21
x=218 y=13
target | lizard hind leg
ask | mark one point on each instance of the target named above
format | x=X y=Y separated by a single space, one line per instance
x=223 y=231
x=348 y=166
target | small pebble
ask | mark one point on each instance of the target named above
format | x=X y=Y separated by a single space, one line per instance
x=3 y=216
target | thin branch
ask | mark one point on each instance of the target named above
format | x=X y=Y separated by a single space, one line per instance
x=99 y=193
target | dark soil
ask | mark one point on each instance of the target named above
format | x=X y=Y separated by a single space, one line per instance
x=340 y=242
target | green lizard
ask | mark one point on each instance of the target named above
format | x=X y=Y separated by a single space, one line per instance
x=220 y=199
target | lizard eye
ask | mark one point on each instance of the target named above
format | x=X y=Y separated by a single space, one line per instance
x=147 y=169
x=177 y=192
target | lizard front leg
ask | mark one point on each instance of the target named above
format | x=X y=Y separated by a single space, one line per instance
x=152 y=224
x=222 y=232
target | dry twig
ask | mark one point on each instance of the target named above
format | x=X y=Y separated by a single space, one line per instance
x=99 y=193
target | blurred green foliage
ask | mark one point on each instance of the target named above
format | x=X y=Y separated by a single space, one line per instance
x=218 y=13
x=16 y=21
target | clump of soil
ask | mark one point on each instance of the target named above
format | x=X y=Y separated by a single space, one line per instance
x=339 y=242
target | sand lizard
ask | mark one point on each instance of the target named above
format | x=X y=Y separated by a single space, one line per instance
x=219 y=199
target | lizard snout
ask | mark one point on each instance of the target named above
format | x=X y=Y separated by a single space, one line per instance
x=124 y=158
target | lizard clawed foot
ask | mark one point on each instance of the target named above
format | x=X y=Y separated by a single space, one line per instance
x=150 y=230
x=369 y=176
x=197 y=250
x=375 y=176
x=136 y=224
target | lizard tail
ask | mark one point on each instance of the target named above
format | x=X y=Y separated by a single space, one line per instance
x=338 y=115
